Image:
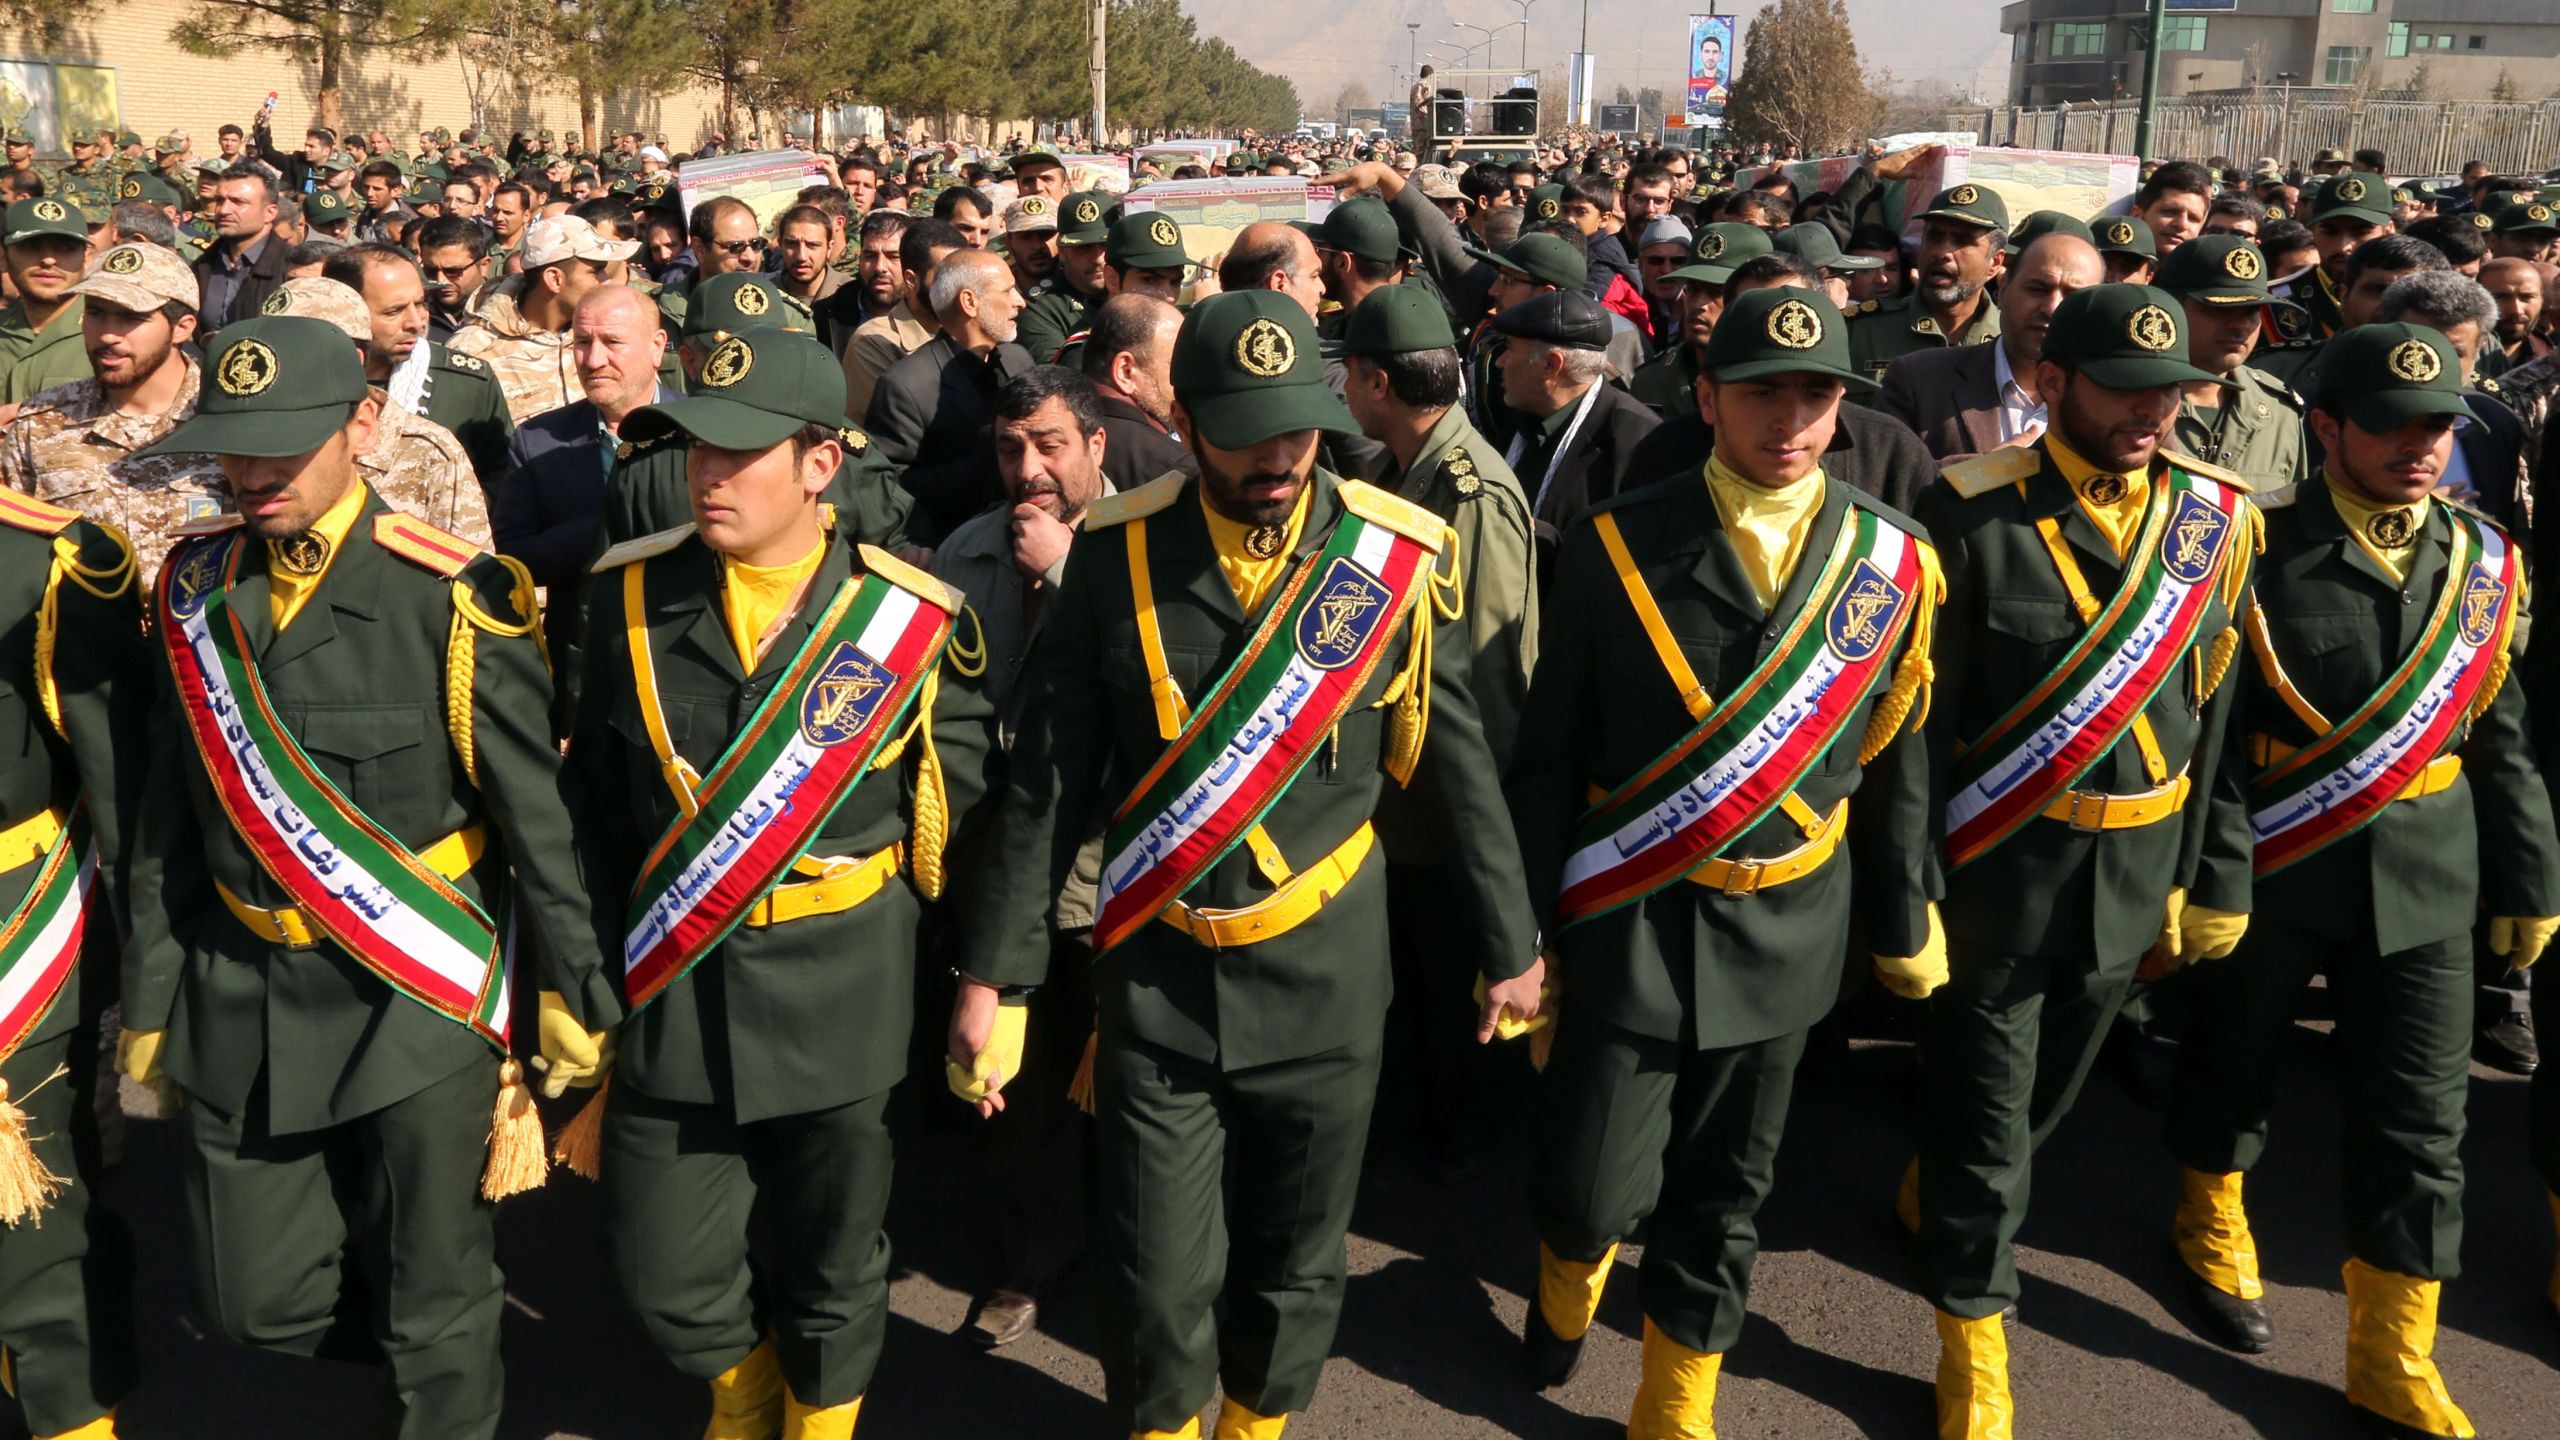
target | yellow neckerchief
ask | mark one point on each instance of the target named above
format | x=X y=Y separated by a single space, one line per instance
x=2359 y=513
x=286 y=593
x=752 y=597
x=2119 y=519
x=1249 y=578
x=1767 y=527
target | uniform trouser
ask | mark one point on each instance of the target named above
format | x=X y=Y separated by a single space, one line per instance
x=363 y=1241
x=66 y=1283
x=1461 y=1085
x=1630 y=1126
x=2006 y=1046
x=1271 y=1249
x=1035 y=1146
x=2502 y=991
x=680 y=1182
x=2546 y=1080
x=2404 y=1025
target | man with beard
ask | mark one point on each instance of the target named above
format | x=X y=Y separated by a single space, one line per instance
x=523 y=334
x=40 y=344
x=1063 y=304
x=1669 y=382
x=879 y=287
x=1965 y=230
x=1128 y=355
x=2517 y=287
x=2348 y=212
x=456 y=391
x=453 y=257
x=1243 y=974
x=1031 y=241
x=1147 y=257
x=801 y=238
x=929 y=417
x=884 y=340
x=1966 y=399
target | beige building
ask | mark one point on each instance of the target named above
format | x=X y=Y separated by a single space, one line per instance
x=2080 y=50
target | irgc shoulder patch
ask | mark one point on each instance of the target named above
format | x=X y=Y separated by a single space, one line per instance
x=1335 y=626
x=849 y=687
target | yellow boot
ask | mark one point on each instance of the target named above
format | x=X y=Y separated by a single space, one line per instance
x=1906 y=1197
x=1190 y=1431
x=2391 y=1341
x=2212 y=1236
x=102 y=1428
x=746 y=1398
x=1973 y=1379
x=1676 y=1399
x=805 y=1422
x=1237 y=1423
x=1560 y=1316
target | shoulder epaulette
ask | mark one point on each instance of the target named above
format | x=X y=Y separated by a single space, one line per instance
x=1417 y=523
x=2195 y=466
x=2280 y=498
x=1135 y=504
x=853 y=438
x=207 y=525
x=908 y=578
x=1887 y=513
x=1461 y=470
x=643 y=548
x=422 y=544
x=25 y=512
x=468 y=364
x=1992 y=469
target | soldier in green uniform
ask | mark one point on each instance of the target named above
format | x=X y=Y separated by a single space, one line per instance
x=1696 y=941
x=2250 y=422
x=1964 y=236
x=2346 y=211
x=360 y=714
x=330 y=214
x=88 y=176
x=424 y=376
x=1062 y=305
x=765 y=994
x=40 y=340
x=2394 y=796
x=1669 y=382
x=2084 y=779
x=1306 y=617
x=2128 y=247
x=80 y=677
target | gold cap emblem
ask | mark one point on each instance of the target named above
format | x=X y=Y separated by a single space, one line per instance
x=50 y=210
x=1710 y=246
x=1163 y=231
x=122 y=260
x=1794 y=325
x=2348 y=191
x=1265 y=349
x=1548 y=209
x=1964 y=195
x=2392 y=528
x=249 y=368
x=728 y=364
x=277 y=304
x=131 y=188
x=1035 y=205
x=752 y=300
x=2480 y=221
x=2243 y=263
x=2152 y=328
x=2537 y=213
x=2415 y=361
x=2120 y=232
x=1087 y=212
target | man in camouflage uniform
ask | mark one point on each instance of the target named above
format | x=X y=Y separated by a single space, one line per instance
x=459 y=393
x=75 y=445
x=523 y=334
x=40 y=345
x=88 y=176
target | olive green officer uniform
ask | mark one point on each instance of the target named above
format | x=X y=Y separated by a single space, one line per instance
x=2044 y=930
x=2298 y=338
x=2254 y=427
x=1682 y=1015
x=1269 y=1046
x=1882 y=331
x=335 y=1122
x=66 y=1274
x=462 y=394
x=1056 y=310
x=31 y=359
x=1669 y=381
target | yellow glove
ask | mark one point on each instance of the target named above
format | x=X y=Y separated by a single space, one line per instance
x=138 y=1056
x=1913 y=976
x=1508 y=1025
x=2205 y=933
x=998 y=1063
x=572 y=1056
x=2522 y=937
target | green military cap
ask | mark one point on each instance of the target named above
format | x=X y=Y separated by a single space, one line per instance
x=1782 y=330
x=542 y=135
x=1971 y=204
x=2224 y=271
x=28 y=219
x=323 y=206
x=424 y=191
x=1565 y=319
x=1397 y=320
x=656 y=195
x=1547 y=259
x=2497 y=200
x=1814 y=244
x=139 y=186
x=1080 y=219
x=430 y=170
x=129 y=138
x=2384 y=376
x=273 y=385
x=1546 y=202
x=1362 y=228
x=338 y=160
x=2412 y=195
x=757 y=388
x=1245 y=367
x=1722 y=248
x=2040 y=223
x=2529 y=218
x=443 y=136
x=2356 y=195
x=18 y=136
x=173 y=143
x=1238 y=160
x=2124 y=337
x=741 y=301
x=1146 y=240
x=2123 y=235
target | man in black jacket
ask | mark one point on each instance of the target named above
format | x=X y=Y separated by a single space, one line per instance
x=1577 y=431
x=1128 y=355
x=299 y=172
x=933 y=411
x=246 y=262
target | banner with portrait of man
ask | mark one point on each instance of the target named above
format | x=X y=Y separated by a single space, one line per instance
x=1710 y=69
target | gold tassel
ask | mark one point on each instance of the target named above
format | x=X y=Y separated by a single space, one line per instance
x=1907 y=699
x=517 y=1158
x=460 y=651
x=1080 y=1092
x=26 y=1186
x=932 y=811
x=1542 y=1041
x=2489 y=691
x=580 y=1144
x=2218 y=663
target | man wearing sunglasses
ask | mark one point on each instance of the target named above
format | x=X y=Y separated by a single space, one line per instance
x=725 y=238
x=523 y=334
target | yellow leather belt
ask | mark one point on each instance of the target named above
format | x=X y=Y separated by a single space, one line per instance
x=1306 y=893
x=2089 y=810
x=25 y=842
x=841 y=885
x=1745 y=877
x=2267 y=750
x=450 y=857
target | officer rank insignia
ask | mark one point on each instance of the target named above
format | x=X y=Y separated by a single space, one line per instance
x=1461 y=470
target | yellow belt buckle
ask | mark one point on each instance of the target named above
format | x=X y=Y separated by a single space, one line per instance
x=1743 y=877
x=2088 y=812
x=295 y=928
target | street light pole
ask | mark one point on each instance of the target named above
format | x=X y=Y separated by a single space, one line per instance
x=2150 y=81
x=1524 y=30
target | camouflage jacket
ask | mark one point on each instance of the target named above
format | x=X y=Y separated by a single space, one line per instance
x=69 y=446
x=533 y=367
x=420 y=469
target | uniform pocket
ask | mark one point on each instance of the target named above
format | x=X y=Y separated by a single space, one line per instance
x=373 y=753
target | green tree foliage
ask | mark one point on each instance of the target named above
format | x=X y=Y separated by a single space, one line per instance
x=1800 y=82
x=322 y=30
x=602 y=47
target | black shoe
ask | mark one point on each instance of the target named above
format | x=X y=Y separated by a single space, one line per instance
x=2375 y=1426
x=2229 y=1321
x=1003 y=1317
x=2508 y=1045
x=1547 y=1361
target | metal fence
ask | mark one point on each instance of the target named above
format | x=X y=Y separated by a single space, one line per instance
x=2419 y=137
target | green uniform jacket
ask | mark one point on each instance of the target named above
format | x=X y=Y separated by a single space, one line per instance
x=2050 y=890
x=2257 y=433
x=1090 y=733
x=359 y=681
x=646 y=494
x=1668 y=383
x=2423 y=868
x=783 y=1019
x=462 y=395
x=2297 y=367
x=32 y=361
x=1053 y=314
x=1690 y=964
x=1882 y=331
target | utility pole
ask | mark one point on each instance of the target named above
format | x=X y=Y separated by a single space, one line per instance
x=1099 y=67
x=2150 y=81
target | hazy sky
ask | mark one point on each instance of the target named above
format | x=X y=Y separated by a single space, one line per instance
x=1638 y=44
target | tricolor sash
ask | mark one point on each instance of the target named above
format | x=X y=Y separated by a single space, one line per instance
x=2072 y=718
x=1261 y=723
x=2337 y=784
x=365 y=890
x=40 y=943
x=797 y=758
x=1726 y=775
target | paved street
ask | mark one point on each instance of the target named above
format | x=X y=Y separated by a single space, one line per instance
x=1836 y=1347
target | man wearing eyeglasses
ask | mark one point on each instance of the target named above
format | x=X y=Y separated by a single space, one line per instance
x=725 y=238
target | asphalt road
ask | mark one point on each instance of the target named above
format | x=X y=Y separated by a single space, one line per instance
x=1837 y=1346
